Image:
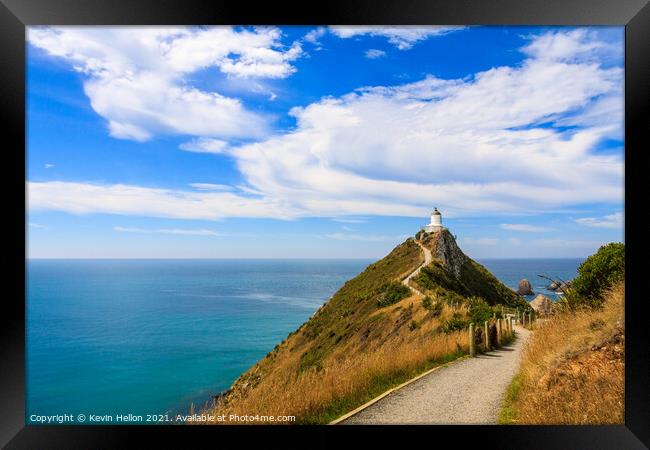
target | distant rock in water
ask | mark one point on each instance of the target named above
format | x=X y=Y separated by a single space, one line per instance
x=553 y=286
x=542 y=305
x=525 y=288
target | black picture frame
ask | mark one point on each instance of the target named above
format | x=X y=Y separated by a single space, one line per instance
x=15 y=15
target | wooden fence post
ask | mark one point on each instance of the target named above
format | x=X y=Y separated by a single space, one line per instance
x=498 y=325
x=472 y=341
x=487 y=336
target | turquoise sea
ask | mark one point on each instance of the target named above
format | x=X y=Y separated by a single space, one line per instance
x=153 y=336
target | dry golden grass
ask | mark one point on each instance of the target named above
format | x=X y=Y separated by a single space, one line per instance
x=572 y=369
x=345 y=382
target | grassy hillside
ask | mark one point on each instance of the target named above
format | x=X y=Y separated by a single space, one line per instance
x=371 y=335
x=572 y=370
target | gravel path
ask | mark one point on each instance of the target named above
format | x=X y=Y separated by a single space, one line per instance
x=427 y=260
x=465 y=392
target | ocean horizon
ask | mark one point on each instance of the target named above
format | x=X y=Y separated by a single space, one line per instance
x=153 y=336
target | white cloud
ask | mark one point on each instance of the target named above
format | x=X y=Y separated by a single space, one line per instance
x=363 y=237
x=524 y=227
x=314 y=35
x=568 y=46
x=374 y=53
x=36 y=225
x=586 y=245
x=204 y=145
x=178 y=231
x=211 y=187
x=86 y=198
x=49 y=166
x=469 y=146
x=610 y=221
x=137 y=78
x=480 y=241
x=402 y=37
x=349 y=220
x=514 y=241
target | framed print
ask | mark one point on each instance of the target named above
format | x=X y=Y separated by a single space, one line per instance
x=401 y=216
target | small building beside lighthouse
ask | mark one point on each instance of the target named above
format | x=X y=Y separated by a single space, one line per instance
x=436 y=222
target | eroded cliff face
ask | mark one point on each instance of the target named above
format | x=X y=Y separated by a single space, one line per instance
x=443 y=247
x=454 y=273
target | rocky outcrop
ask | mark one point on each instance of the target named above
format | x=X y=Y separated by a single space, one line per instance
x=557 y=285
x=553 y=285
x=542 y=305
x=444 y=247
x=524 y=287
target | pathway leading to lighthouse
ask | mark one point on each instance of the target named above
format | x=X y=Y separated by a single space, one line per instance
x=427 y=260
x=468 y=391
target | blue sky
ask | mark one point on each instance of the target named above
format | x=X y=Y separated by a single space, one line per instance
x=322 y=142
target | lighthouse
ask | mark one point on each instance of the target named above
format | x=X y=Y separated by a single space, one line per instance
x=436 y=222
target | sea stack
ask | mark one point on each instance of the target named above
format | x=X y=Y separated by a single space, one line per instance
x=524 y=287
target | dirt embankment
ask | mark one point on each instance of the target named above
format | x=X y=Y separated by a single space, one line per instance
x=572 y=370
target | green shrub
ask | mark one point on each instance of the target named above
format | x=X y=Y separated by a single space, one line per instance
x=427 y=303
x=413 y=325
x=436 y=309
x=479 y=310
x=597 y=273
x=392 y=292
x=455 y=323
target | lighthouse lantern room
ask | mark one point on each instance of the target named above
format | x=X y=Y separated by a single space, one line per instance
x=436 y=222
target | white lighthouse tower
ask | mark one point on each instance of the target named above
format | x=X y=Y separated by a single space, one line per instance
x=436 y=222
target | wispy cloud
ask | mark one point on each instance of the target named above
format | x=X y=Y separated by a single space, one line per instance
x=374 y=53
x=349 y=220
x=364 y=237
x=524 y=227
x=204 y=145
x=569 y=243
x=122 y=199
x=481 y=241
x=183 y=232
x=49 y=166
x=211 y=187
x=402 y=37
x=36 y=225
x=314 y=35
x=610 y=221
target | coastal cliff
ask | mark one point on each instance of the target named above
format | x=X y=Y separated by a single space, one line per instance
x=373 y=333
